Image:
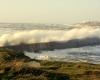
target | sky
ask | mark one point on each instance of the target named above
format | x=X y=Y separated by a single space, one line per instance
x=49 y=11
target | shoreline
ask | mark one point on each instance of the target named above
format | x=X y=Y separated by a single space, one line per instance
x=17 y=66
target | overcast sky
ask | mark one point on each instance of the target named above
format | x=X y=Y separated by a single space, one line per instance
x=49 y=11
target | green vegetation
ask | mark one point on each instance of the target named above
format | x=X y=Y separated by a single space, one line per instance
x=17 y=66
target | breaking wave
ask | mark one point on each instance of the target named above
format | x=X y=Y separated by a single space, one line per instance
x=40 y=36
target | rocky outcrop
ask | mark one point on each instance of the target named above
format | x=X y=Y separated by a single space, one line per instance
x=38 y=47
x=7 y=55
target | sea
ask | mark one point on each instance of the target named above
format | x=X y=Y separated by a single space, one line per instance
x=53 y=32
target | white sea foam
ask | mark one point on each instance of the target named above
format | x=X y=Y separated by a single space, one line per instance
x=37 y=36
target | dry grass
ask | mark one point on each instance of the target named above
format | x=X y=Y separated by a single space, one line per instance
x=14 y=68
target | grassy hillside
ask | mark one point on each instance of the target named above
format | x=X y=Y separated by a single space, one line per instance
x=17 y=66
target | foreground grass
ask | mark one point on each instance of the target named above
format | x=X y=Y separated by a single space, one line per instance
x=16 y=66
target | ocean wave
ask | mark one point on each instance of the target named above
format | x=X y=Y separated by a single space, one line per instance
x=40 y=36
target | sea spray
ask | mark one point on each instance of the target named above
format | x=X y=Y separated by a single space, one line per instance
x=38 y=36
